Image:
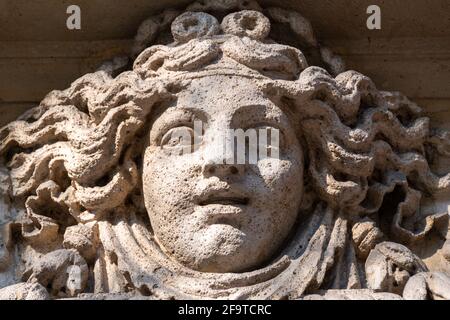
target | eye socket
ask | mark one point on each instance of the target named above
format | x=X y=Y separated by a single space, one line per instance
x=178 y=137
x=270 y=138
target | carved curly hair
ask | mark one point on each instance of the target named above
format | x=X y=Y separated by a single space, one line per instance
x=77 y=149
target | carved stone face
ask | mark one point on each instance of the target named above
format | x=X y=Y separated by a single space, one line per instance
x=221 y=217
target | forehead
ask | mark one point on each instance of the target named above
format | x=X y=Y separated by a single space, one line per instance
x=230 y=100
x=221 y=93
x=223 y=100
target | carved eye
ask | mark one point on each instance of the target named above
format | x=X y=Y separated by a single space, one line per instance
x=179 y=136
x=270 y=139
x=180 y=140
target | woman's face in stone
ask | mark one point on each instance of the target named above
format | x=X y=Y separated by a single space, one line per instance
x=216 y=217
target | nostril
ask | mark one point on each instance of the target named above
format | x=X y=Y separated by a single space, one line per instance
x=234 y=170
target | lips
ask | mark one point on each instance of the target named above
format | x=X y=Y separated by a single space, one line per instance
x=225 y=206
x=225 y=200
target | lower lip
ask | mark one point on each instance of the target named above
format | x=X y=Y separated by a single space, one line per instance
x=226 y=201
x=221 y=213
x=222 y=207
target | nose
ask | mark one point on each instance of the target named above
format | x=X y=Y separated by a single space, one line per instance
x=219 y=156
x=222 y=170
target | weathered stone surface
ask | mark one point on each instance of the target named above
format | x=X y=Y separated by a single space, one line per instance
x=364 y=294
x=108 y=203
x=248 y=23
x=366 y=235
x=24 y=291
x=389 y=267
x=83 y=238
x=192 y=25
x=422 y=286
x=64 y=271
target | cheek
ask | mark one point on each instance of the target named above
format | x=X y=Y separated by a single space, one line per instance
x=166 y=183
x=278 y=174
x=282 y=185
x=279 y=198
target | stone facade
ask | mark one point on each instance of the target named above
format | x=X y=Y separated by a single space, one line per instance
x=96 y=203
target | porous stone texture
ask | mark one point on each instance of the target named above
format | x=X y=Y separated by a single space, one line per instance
x=99 y=201
x=24 y=291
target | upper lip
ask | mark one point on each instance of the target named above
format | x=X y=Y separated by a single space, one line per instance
x=224 y=200
x=226 y=197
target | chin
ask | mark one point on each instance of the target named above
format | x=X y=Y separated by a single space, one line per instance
x=225 y=249
x=234 y=263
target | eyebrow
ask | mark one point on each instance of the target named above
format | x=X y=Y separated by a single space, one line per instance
x=258 y=115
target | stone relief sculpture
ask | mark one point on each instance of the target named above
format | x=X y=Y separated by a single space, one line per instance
x=97 y=202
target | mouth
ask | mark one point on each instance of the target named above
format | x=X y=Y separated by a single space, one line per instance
x=230 y=196
x=220 y=206
x=223 y=200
